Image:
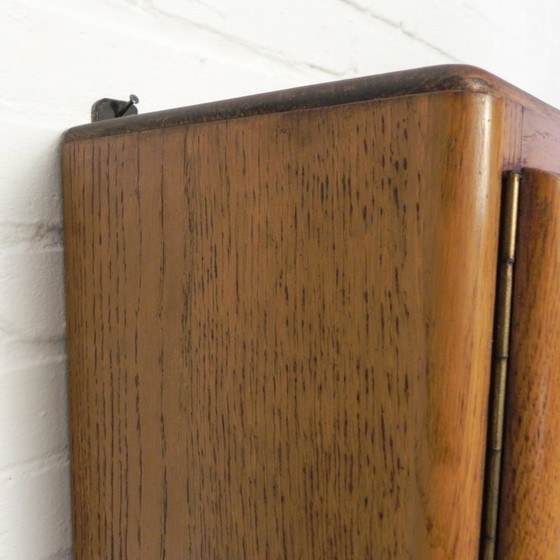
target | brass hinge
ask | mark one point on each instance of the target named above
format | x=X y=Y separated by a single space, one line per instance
x=500 y=355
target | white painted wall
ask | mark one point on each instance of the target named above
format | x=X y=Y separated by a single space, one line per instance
x=58 y=56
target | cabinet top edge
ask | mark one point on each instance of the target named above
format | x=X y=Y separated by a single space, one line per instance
x=432 y=79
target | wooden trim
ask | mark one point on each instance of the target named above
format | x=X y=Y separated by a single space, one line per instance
x=433 y=79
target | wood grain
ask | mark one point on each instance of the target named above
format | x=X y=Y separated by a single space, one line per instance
x=280 y=333
x=530 y=506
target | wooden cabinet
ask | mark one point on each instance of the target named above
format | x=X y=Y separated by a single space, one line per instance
x=281 y=315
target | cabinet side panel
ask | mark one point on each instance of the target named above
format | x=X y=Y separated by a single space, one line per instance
x=540 y=141
x=279 y=333
x=530 y=504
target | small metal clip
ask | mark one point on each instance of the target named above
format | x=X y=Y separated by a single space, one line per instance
x=113 y=108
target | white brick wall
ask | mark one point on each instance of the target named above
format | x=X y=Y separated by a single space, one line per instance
x=57 y=57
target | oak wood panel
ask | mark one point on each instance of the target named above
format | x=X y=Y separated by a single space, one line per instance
x=279 y=329
x=530 y=504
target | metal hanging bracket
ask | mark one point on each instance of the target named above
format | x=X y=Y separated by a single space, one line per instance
x=113 y=108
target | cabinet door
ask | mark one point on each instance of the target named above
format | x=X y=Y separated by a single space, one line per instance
x=530 y=495
x=280 y=333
